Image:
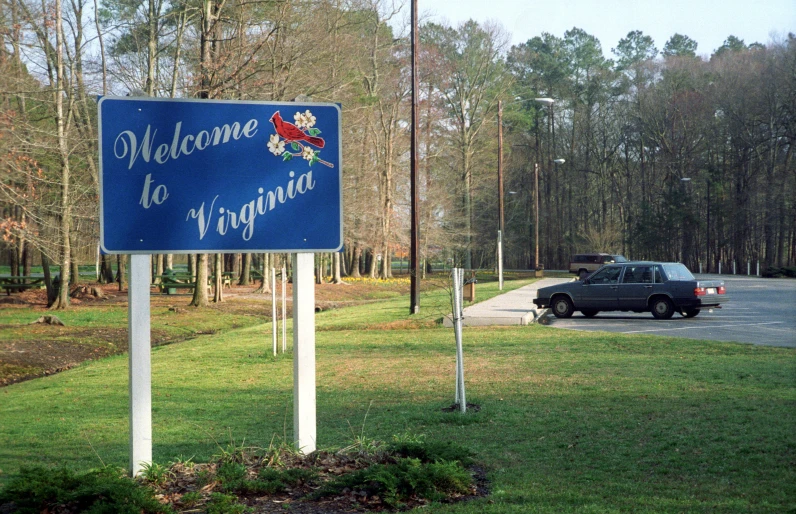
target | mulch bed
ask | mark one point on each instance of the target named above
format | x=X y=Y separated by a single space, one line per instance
x=328 y=465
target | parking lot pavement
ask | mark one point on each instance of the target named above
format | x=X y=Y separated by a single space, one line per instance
x=760 y=311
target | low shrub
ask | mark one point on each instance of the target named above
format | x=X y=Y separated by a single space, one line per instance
x=104 y=491
x=775 y=272
x=429 y=452
x=233 y=478
x=396 y=483
x=224 y=504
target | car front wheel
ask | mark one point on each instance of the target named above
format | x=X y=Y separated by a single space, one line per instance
x=690 y=313
x=562 y=307
x=662 y=308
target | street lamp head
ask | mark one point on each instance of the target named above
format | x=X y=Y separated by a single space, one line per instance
x=559 y=161
x=685 y=179
x=544 y=101
x=512 y=192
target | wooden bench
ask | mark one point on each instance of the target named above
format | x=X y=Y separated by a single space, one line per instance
x=10 y=283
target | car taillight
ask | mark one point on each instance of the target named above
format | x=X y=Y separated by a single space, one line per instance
x=721 y=290
x=699 y=291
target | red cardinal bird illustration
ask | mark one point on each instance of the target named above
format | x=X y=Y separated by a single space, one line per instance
x=292 y=133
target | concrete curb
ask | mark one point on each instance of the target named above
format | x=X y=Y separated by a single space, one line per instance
x=514 y=308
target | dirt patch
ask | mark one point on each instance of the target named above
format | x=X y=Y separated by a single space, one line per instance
x=44 y=349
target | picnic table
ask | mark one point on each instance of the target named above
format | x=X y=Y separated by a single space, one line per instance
x=23 y=283
x=170 y=282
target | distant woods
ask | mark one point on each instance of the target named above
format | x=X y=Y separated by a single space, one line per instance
x=668 y=154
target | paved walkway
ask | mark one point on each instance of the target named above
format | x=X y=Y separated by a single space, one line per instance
x=512 y=308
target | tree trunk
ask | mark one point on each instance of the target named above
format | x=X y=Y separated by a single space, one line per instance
x=158 y=267
x=200 y=298
x=48 y=283
x=265 y=283
x=218 y=280
x=121 y=272
x=337 y=277
x=62 y=302
x=245 y=274
x=353 y=270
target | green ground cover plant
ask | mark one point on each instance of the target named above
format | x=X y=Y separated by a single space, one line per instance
x=569 y=421
x=104 y=491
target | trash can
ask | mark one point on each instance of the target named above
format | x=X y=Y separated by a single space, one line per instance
x=539 y=271
x=169 y=279
x=469 y=287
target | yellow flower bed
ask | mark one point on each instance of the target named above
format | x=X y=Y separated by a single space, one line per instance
x=378 y=281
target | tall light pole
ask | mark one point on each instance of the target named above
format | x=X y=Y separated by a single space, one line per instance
x=414 y=254
x=548 y=102
x=500 y=196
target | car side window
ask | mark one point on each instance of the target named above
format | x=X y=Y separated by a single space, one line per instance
x=637 y=275
x=658 y=275
x=606 y=276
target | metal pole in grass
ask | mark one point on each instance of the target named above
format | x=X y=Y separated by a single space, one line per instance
x=284 y=312
x=460 y=350
x=455 y=315
x=274 y=319
x=457 y=328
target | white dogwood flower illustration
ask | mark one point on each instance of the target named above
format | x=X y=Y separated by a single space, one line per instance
x=307 y=153
x=275 y=145
x=309 y=119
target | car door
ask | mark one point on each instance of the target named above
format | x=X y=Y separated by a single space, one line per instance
x=635 y=288
x=599 y=291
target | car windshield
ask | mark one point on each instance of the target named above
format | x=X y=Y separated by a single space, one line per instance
x=677 y=272
x=619 y=258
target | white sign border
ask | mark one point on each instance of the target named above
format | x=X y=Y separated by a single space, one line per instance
x=215 y=250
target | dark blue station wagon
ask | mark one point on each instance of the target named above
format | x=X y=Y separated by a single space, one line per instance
x=661 y=288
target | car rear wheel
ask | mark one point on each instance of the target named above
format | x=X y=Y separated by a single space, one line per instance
x=662 y=308
x=690 y=313
x=562 y=307
x=589 y=313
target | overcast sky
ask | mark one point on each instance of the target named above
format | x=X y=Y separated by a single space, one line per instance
x=708 y=22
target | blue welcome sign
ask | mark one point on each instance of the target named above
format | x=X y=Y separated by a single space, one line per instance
x=197 y=176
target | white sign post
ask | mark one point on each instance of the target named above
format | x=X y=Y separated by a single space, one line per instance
x=138 y=340
x=304 y=352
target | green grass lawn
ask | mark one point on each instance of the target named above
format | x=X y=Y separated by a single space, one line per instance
x=569 y=421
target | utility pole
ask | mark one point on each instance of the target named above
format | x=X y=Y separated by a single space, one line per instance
x=414 y=274
x=500 y=195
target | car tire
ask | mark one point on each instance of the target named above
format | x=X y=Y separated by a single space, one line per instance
x=589 y=313
x=582 y=274
x=662 y=308
x=690 y=313
x=562 y=307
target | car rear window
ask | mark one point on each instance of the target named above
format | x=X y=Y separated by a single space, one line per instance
x=619 y=258
x=677 y=272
